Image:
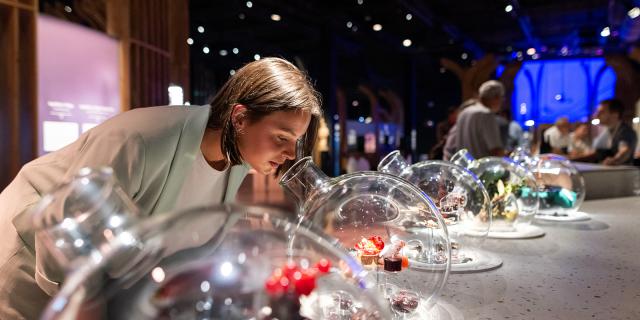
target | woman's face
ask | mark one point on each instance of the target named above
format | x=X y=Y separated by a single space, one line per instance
x=267 y=143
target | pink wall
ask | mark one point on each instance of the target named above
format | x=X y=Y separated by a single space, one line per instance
x=78 y=81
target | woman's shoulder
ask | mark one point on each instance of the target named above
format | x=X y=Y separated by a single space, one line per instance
x=153 y=122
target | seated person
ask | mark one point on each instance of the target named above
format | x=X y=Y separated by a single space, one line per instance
x=579 y=144
x=557 y=137
x=623 y=139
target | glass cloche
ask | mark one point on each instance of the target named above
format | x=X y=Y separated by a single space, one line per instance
x=561 y=187
x=461 y=199
x=388 y=224
x=220 y=262
x=511 y=187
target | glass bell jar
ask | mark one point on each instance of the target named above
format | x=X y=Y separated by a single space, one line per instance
x=512 y=190
x=84 y=219
x=388 y=224
x=561 y=187
x=220 y=262
x=462 y=201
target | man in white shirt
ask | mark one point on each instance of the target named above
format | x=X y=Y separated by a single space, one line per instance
x=557 y=137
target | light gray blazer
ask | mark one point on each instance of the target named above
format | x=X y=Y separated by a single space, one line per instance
x=151 y=151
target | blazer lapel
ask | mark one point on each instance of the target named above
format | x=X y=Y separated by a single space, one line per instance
x=188 y=146
x=236 y=176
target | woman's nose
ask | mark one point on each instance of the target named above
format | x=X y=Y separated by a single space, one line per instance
x=290 y=151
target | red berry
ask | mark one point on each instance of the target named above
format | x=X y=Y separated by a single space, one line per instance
x=305 y=283
x=323 y=265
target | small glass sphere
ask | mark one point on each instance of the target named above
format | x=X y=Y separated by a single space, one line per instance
x=458 y=194
x=561 y=187
x=511 y=187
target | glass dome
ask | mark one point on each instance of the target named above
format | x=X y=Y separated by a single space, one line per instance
x=511 y=187
x=82 y=218
x=458 y=194
x=387 y=223
x=221 y=262
x=561 y=187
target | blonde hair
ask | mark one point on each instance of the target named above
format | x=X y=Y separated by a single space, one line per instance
x=265 y=86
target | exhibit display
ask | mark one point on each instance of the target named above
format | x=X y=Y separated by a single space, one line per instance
x=561 y=187
x=462 y=201
x=219 y=262
x=513 y=192
x=387 y=223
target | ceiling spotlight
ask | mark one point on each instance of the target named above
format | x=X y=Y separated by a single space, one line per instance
x=223 y=52
x=564 y=51
x=232 y=72
x=241 y=16
x=67 y=9
x=205 y=50
x=464 y=56
x=360 y=2
x=408 y=16
x=605 y=32
x=189 y=41
x=349 y=24
x=256 y=56
x=275 y=17
x=634 y=13
x=235 y=50
x=201 y=29
x=377 y=27
x=249 y=4
x=355 y=103
x=531 y=51
x=406 y=42
x=508 y=8
x=443 y=70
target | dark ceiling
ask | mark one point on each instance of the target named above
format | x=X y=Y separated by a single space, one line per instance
x=312 y=31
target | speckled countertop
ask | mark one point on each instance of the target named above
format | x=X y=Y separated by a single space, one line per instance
x=578 y=270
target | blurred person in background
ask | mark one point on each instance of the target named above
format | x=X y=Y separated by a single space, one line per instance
x=357 y=162
x=556 y=139
x=442 y=131
x=579 y=143
x=476 y=128
x=510 y=131
x=623 y=138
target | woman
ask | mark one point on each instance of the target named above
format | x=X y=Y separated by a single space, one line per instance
x=166 y=158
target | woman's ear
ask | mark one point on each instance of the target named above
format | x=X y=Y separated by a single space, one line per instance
x=239 y=117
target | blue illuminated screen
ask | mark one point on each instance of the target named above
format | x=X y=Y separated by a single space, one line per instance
x=548 y=89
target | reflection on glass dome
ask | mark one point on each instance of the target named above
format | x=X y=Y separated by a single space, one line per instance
x=460 y=196
x=84 y=218
x=388 y=225
x=561 y=187
x=512 y=189
x=222 y=262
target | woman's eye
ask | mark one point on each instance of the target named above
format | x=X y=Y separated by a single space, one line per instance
x=282 y=139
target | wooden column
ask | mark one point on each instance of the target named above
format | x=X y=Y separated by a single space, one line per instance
x=154 y=51
x=17 y=86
